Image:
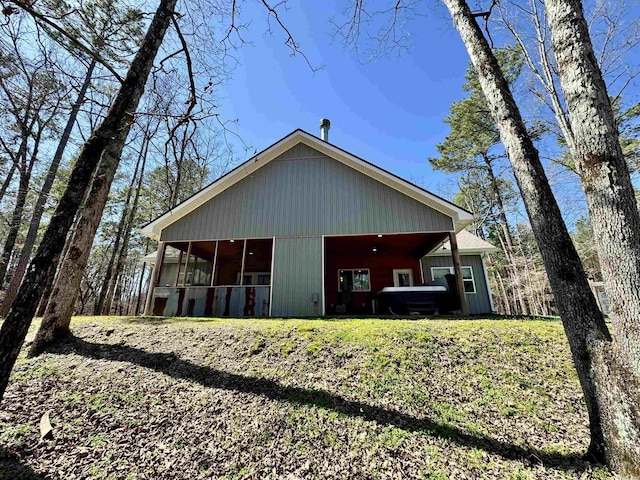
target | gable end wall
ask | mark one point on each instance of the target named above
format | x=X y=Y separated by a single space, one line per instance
x=306 y=193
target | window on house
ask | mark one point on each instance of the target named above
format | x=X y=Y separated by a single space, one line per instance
x=356 y=280
x=467 y=276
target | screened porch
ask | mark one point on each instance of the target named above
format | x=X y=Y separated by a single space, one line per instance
x=213 y=278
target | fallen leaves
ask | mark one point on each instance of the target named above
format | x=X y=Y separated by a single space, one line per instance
x=237 y=400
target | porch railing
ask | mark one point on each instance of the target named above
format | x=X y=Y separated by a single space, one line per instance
x=225 y=301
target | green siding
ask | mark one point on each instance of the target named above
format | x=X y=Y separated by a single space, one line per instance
x=306 y=193
x=297 y=276
x=478 y=302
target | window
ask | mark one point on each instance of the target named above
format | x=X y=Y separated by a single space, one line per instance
x=467 y=276
x=403 y=277
x=356 y=280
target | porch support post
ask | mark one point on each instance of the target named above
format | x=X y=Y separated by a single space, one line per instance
x=153 y=281
x=457 y=269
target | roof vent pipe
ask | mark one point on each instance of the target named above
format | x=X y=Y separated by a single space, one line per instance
x=325 y=125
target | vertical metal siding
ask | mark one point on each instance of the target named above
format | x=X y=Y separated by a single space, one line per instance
x=479 y=302
x=297 y=275
x=303 y=193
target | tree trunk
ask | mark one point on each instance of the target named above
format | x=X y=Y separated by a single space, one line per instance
x=129 y=224
x=7 y=181
x=584 y=325
x=613 y=210
x=30 y=239
x=42 y=268
x=603 y=171
x=124 y=232
x=14 y=226
x=106 y=289
x=510 y=250
x=57 y=316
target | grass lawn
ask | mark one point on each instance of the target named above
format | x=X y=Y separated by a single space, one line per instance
x=299 y=399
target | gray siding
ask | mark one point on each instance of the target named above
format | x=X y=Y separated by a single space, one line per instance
x=297 y=275
x=478 y=302
x=306 y=193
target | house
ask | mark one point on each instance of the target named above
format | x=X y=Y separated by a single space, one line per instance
x=305 y=228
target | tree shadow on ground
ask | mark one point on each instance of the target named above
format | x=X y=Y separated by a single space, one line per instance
x=170 y=364
x=12 y=468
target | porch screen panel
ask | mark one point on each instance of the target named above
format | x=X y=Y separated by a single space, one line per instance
x=257 y=263
x=173 y=254
x=200 y=266
x=229 y=262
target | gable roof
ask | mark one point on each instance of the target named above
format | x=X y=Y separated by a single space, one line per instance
x=468 y=244
x=460 y=216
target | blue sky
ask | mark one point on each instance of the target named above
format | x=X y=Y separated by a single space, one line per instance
x=389 y=110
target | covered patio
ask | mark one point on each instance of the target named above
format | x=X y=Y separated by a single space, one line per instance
x=357 y=267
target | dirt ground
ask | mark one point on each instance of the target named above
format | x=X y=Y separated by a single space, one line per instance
x=298 y=400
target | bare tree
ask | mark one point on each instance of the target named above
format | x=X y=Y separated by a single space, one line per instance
x=103 y=142
x=33 y=100
x=607 y=367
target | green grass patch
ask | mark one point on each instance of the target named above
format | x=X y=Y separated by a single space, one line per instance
x=349 y=398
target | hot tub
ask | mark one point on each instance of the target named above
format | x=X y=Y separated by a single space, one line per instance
x=419 y=300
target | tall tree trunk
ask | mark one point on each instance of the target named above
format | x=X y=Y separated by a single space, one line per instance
x=112 y=130
x=106 y=288
x=7 y=181
x=613 y=210
x=603 y=171
x=128 y=226
x=510 y=250
x=138 y=300
x=105 y=297
x=38 y=211
x=14 y=226
x=584 y=325
x=62 y=302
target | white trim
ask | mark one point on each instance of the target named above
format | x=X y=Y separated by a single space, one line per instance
x=486 y=279
x=387 y=234
x=424 y=288
x=462 y=267
x=273 y=266
x=460 y=217
x=186 y=267
x=244 y=259
x=323 y=269
x=354 y=270
x=215 y=263
x=400 y=271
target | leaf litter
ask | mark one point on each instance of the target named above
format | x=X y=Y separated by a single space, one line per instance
x=352 y=399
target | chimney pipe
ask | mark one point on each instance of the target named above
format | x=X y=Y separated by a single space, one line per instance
x=325 y=125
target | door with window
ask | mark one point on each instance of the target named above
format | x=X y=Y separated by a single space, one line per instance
x=403 y=277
